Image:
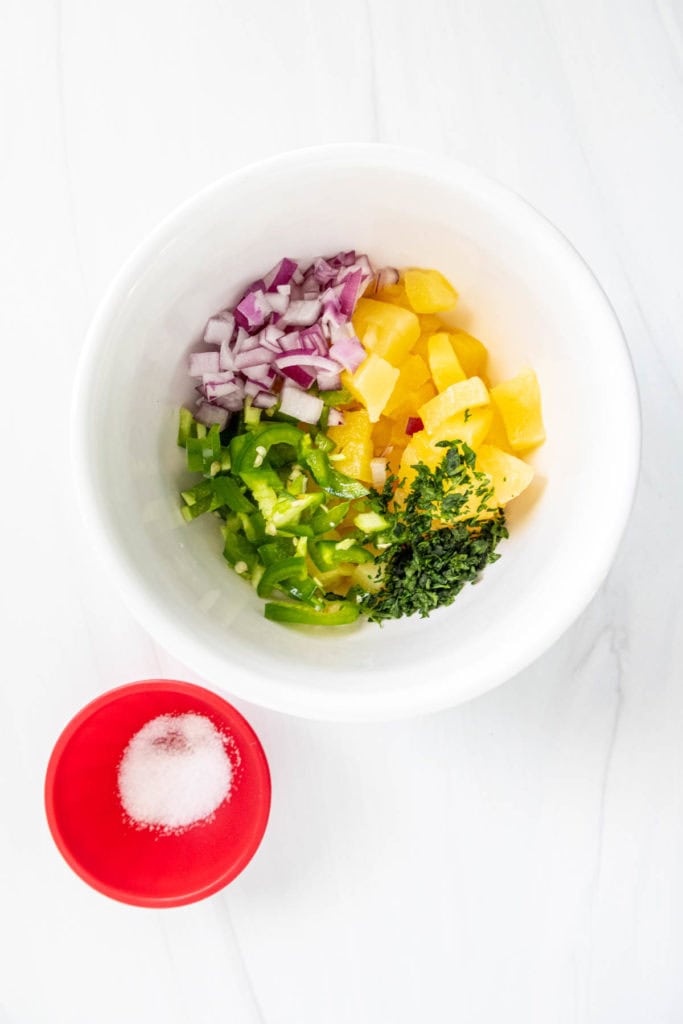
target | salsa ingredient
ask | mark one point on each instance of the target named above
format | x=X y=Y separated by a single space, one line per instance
x=174 y=772
x=351 y=444
x=290 y=328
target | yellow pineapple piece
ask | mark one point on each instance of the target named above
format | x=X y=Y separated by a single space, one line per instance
x=386 y=330
x=443 y=363
x=472 y=354
x=496 y=434
x=467 y=394
x=372 y=384
x=509 y=475
x=354 y=445
x=519 y=403
x=428 y=291
x=414 y=372
x=471 y=426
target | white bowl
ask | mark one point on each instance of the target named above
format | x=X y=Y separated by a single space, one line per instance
x=523 y=289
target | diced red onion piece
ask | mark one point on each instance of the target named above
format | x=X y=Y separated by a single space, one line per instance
x=233 y=402
x=343 y=259
x=324 y=273
x=385 y=277
x=277 y=303
x=219 y=389
x=253 y=356
x=378 y=469
x=270 y=338
x=329 y=381
x=339 y=332
x=252 y=310
x=226 y=358
x=413 y=425
x=262 y=372
x=300 y=376
x=335 y=418
x=306 y=359
x=244 y=341
x=301 y=313
x=210 y=414
x=263 y=400
x=302 y=406
x=349 y=353
x=281 y=274
x=290 y=342
x=203 y=362
x=314 y=337
x=252 y=388
x=219 y=329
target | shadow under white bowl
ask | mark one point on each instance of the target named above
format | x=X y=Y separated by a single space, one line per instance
x=524 y=290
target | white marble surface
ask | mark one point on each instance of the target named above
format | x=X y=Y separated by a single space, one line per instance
x=519 y=859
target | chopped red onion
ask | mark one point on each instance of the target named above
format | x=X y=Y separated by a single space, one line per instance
x=295 y=322
x=219 y=329
x=349 y=353
x=253 y=356
x=204 y=362
x=302 y=406
x=264 y=400
x=386 y=276
x=413 y=425
x=210 y=414
x=280 y=275
x=329 y=381
x=335 y=418
x=301 y=313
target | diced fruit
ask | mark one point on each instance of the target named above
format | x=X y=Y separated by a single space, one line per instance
x=496 y=433
x=509 y=475
x=519 y=403
x=443 y=363
x=354 y=445
x=409 y=405
x=394 y=294
x=471 y=426
x=472 y=354
x=381 y=433
x=431 y=324
x=414 y=372
x=467 y=394
x=388 y=331
x=428 y=291
x=372 y=384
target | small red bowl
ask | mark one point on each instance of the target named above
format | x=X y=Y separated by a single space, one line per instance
x=141 y=866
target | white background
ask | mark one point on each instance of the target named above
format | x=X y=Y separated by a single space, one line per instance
x=519 y=859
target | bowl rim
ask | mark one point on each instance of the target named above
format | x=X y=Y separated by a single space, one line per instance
x=354 y=706
x=223 y=709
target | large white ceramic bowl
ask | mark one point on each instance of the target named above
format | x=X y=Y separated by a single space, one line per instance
x=523 y=289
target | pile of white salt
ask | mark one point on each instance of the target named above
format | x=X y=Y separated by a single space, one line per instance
x=174 y=772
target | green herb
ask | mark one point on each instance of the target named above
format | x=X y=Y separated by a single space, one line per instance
x=426 y=567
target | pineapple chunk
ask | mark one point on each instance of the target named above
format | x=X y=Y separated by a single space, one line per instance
x=354 y=445
x=471 y=426
x=496 y=434
x=413 y=374
x=471 y=353
x=509 y=475
x=443 y=363
x=428 y=291
x=372 y=384
x=467 y=394
x=519 y=403
x=388 y=331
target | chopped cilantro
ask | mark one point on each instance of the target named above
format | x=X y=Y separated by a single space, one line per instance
x=435 y=546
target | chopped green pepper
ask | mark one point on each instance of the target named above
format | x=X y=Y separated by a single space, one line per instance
x=337 y=613
x=286 y=568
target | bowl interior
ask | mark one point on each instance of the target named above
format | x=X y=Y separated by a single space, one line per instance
x=141 y=866
x=523 y=291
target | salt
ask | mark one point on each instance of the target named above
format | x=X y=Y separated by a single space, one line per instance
x=174 y=772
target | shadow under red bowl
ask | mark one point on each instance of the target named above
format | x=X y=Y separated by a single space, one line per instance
x=141 y=866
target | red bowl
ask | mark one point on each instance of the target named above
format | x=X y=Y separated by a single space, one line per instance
x=141 y=866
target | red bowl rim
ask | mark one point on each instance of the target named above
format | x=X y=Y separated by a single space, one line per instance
x=222 y=708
